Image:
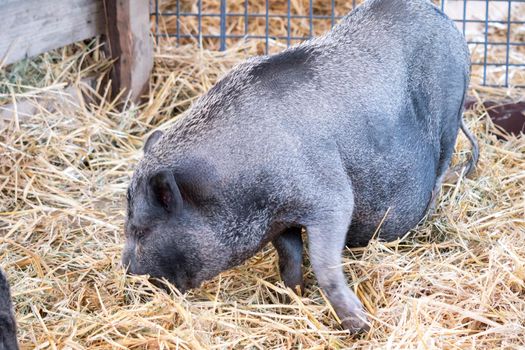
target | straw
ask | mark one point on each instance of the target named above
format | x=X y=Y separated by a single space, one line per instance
x=456 y=281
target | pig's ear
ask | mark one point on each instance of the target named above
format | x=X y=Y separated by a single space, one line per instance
x=152 y=139
x=164 y=192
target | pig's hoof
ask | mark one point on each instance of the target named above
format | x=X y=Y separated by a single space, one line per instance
x=286 y=299
x=357 y=324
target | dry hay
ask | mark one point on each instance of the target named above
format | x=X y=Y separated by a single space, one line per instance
x=457 y=281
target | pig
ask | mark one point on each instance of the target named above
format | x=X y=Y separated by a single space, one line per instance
x=341 y=136
x=8 y=339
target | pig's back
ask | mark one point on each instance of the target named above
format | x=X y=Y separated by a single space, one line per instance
x=384 y=85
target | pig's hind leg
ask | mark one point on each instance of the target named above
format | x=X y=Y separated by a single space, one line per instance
x=289 y=246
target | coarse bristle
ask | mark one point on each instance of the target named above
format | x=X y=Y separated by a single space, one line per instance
x=457 y=281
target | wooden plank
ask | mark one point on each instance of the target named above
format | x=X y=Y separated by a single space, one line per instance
x=509 y=116
x=30 y=27
x=128 y=34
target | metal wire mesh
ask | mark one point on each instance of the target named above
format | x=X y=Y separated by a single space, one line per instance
x=495 y=29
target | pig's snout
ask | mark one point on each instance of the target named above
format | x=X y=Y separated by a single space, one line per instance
x=129 y=260
x=133 y=266
x=126 y=262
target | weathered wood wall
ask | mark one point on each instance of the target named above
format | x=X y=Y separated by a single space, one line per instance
x=31 y=27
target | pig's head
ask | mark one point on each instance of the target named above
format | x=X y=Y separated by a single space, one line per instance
x=169 y=233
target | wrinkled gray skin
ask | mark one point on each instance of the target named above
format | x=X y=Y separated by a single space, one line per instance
x=332 y=136
x=7 y=319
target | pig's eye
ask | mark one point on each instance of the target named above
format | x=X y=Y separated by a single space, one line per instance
x=142 y=233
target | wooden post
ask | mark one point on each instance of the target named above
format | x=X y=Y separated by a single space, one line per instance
x=129 y=41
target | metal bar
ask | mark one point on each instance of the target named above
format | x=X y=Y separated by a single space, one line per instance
x=486 y=41
x=246 y=23
x=223 y=26
x=289 y=24
x=232 y=36
x=199 y=13
x=499 y=86
x=239 y=36
x=233 y=14
x=498 y=64
x=499 y=43
x=267 y=31
x=178 y=23
x=311 y=17
x=156 y=18
x=490 y=21
x=332 y=17
x=278 y=37
x=507 y=54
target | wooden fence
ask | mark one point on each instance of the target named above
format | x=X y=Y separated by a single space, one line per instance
x=31 y=27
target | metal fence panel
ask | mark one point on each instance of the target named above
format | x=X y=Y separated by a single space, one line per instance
x=494 y=29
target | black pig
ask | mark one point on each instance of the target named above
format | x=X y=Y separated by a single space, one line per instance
x=7 y=319
x=336 y=135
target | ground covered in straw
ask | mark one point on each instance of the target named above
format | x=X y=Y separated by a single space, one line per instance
x=457 y=281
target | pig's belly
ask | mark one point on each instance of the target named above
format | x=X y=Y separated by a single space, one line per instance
x=391 y=205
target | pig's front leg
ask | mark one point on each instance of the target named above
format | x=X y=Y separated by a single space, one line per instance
x=289 y=246
x=326 y=240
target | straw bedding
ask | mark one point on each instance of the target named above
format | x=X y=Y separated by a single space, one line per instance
x=457 y=281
